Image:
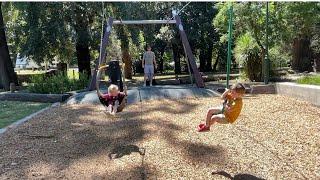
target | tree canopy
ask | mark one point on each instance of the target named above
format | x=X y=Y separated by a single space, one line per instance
x=70 y=32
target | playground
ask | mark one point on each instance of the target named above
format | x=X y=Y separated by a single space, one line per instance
x=178 y=90
x=157 y=140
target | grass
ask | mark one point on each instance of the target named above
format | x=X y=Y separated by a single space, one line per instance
x=313 y=80
x=11 y=111
x=72 y=74
x=26 y=72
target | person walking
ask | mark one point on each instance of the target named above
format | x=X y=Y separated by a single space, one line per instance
x=149 y=64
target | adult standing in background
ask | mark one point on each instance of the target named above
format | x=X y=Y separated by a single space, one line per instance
x=149 y=64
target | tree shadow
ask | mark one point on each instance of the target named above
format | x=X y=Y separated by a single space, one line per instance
x=195 y=152
x=137 y=172
x=166 y=106
x=201 y=153
x=237 y=176
x=68 y=143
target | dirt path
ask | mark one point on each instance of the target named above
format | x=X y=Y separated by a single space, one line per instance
x=275 y=138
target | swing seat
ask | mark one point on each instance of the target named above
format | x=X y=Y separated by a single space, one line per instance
x=115 y=73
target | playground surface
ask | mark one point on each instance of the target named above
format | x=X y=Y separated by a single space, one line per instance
x=276 y=137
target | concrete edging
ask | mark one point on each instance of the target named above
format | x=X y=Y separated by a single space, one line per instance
x=18 y=122
x=310 y=93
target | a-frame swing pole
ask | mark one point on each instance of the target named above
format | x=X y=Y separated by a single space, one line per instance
x=105 y=42
x=102 y=54
x=103 y=50
x=188 y=65
x=190 y=56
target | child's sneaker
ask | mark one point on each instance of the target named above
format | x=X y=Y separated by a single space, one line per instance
x=203 y=128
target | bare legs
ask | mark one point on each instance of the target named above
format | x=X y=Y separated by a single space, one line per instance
x=112 y=109
x=214 y=115
x=148 y=76
x=145 y=79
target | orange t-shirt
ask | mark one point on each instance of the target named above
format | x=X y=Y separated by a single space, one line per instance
x=235 y=108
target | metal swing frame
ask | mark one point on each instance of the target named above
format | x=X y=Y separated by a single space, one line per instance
x=191 y=61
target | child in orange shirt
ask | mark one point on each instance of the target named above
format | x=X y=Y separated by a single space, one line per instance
x=230 y=110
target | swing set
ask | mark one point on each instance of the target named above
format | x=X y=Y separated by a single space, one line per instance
x=191 y=62
x=103 y=67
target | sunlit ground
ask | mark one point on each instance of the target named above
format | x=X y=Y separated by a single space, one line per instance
x=275 y=137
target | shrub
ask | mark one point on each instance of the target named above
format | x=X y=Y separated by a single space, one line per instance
x=247 y=54
x=57 y=84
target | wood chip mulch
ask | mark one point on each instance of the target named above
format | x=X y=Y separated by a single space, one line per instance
x=275 y=137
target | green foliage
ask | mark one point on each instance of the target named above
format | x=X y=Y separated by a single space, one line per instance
x=314 y=80
x=57 y=84
x=278 y=57
x=247 y=53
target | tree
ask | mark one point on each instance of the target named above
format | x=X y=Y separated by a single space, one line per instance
x=197 y=19
x=7 y=74
x=301 y=20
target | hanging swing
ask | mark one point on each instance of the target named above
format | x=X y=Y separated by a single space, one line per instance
x=114 y=70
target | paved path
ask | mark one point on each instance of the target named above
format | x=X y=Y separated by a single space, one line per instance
x=138 y=94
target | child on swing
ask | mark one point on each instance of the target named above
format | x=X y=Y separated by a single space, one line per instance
x=113 y=100
x=230 y=110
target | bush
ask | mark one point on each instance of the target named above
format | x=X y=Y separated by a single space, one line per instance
x=278 y=57
x=57 y=84
x=247 y=54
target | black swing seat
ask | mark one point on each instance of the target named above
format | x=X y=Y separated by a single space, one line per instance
x=114 y=71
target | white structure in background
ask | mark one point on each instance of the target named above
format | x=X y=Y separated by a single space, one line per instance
x=25 y=63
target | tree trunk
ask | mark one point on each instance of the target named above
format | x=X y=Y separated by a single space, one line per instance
x=209 y=58
x=214 y=69
x=301 y=60
x=126 y=58
x=176 y=58
x=161 y=63
x=316 y=62
x=202 y=60
x=123 y=35
x=83 y=57
x=7 y=74
x=205 y=58
x=82 y=45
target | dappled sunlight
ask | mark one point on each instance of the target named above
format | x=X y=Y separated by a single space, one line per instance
x=158 y=140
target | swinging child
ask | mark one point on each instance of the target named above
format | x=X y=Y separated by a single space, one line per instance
x=230 y=110
x=114 y=100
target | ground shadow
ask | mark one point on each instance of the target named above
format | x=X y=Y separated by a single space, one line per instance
x=137 y=172
x=237 y=176
x=122 y=150
x=68 y=143
x=195 y=152
x=202 y=153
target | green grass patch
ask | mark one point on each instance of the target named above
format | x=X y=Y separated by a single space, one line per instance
x=73 y=74
x=313 y=80
x=29 y=72
x=11 y=111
